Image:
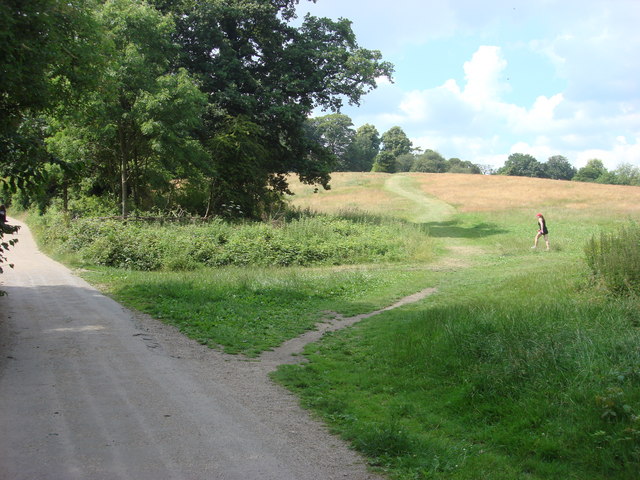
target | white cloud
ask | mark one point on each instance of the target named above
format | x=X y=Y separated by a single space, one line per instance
x=588 y=48
x=473 y=121
x=483 y=74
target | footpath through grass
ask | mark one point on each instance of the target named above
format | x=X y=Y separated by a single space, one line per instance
x=250 y=310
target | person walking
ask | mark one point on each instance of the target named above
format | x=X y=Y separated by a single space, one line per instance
x=542 y=231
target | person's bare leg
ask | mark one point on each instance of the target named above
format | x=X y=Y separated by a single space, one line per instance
x=546 y=240
x=535 y=240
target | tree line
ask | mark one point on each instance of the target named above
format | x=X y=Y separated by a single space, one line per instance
x=559 y=168
x=364 y=150
x=133 y=105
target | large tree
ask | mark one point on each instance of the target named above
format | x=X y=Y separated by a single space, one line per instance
x=429 y=161
x=136 y=128
x=627 y=174
x=335 y=133
x=522 y=165
x=254 y=64
x=394 y=143
x=47 y=50
x=593 y=171
x=365 y=147
x=559 y=168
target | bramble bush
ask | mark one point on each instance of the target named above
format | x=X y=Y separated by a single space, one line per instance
x=301 y=241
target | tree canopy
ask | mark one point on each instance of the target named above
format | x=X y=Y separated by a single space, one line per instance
x=209 y=96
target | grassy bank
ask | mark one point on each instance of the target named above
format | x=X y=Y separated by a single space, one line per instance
x=304 y=240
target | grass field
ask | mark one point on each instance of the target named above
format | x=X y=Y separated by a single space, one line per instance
x=520 y=366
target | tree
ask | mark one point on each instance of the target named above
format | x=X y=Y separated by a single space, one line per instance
x=365 y=147
x=627 y=174
x=559 y=168
x=252 y=63
x=45 y=46
x=138 y=126
x=405 y=162
x=593 y=171
x=47 y=51
x=385 y=162
x=522 y=165
x=335 y=133
x=430 y=162
x=455 y=165
x=396 y=142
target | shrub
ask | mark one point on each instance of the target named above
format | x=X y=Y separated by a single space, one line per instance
x=304 y=240
x=614 y=259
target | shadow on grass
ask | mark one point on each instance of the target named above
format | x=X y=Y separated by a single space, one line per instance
x=453 y=229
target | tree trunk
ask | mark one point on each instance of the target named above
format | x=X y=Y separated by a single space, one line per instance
x=65 y=195
x=123 y=186
x=123 y=172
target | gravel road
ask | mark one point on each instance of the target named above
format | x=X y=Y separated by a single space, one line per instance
x=91 y=390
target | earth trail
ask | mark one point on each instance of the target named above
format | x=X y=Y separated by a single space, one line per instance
x=89 y=389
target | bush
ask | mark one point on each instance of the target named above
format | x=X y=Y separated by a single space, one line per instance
x=302 y=241
x=614 y=259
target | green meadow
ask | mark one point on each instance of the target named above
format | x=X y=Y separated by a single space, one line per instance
x=524 y=364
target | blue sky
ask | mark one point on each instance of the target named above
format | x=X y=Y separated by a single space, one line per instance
x=480 y=80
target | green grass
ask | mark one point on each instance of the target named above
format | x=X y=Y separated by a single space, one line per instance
x=513 y=373
x=519 y=367
x=252 y=310
x=305 y=240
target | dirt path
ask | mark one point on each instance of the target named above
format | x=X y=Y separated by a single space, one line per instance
x=89 y=389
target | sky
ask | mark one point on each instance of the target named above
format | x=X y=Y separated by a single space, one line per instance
x=479 y=80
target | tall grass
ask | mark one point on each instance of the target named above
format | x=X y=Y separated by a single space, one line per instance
x=614 y=259
x=305 y=240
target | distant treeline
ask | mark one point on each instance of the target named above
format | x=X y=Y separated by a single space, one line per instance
x=364 y=150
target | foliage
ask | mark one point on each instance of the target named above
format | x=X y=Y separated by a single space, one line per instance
x=49 y=48
x=255 y=65
x=384 y=162
x=522 y=165
x=429 y=162
x=303 y=241
x=627 y=174
x=335 y=133
x=139 y=126
x=559 y=168
x=593 y=171
x=139 y=97
x=364 y=148
x=455 y=165
x=396 y=142
x=614 y=259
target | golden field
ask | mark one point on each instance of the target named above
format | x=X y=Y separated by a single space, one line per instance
x=470 y=193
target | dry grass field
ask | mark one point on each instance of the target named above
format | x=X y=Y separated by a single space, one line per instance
x=472 y=193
